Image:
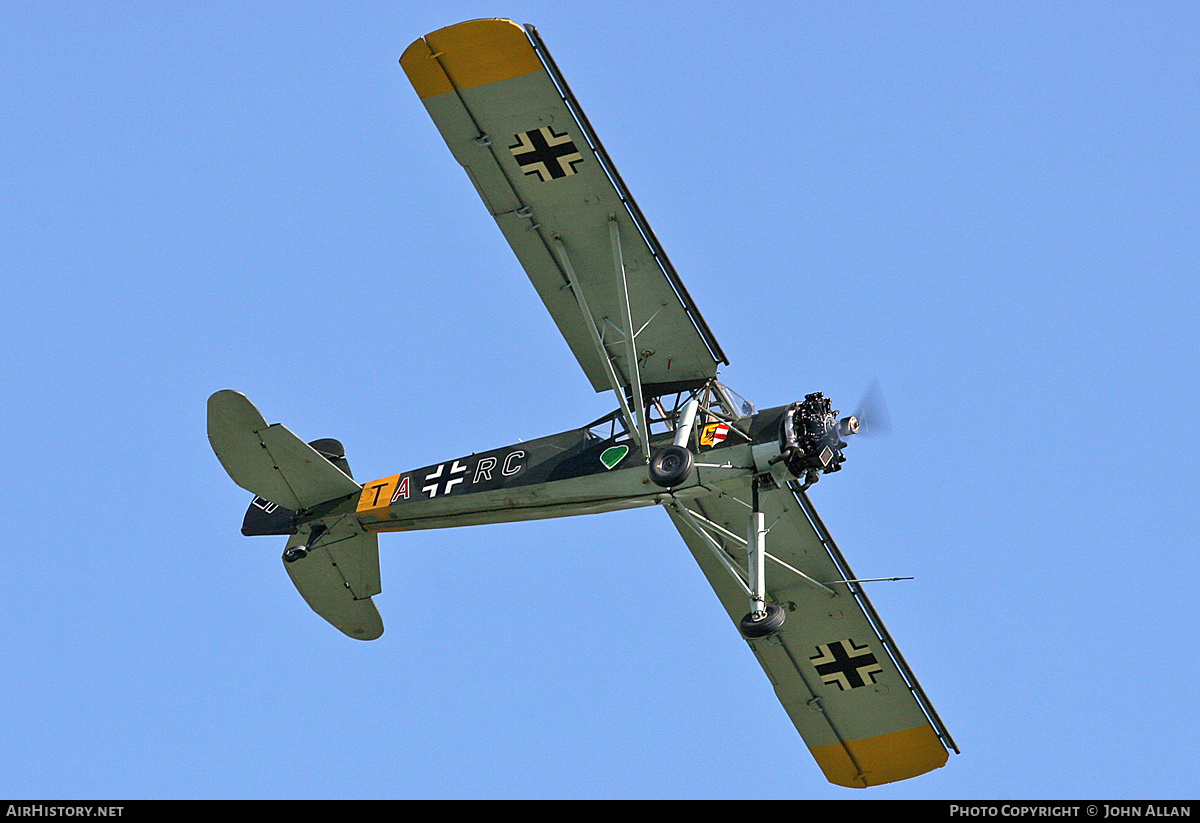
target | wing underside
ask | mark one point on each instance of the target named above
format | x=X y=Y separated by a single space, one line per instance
x=834 y=666
x=508 y=117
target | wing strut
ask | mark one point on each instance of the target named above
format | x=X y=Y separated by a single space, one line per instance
x=635 y=377
x=690 y=518
x=701 y=526
x=635 y=431
x=635 y=212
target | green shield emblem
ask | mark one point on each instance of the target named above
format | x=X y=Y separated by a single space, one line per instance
x=613 y=455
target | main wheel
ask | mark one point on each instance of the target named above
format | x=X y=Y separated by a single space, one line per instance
x=756 y=627
x=671 y=466
x=295 y=553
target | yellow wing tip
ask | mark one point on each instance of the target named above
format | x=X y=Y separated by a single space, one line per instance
x=469 y=54
x=885 y=758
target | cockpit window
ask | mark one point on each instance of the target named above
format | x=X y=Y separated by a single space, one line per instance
x=717 y=402
x=610 y=426
x=736 y=404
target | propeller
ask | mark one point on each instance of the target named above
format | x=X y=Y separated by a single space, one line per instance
x=871 y=416
x=872 y=411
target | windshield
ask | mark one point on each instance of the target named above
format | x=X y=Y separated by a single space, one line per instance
x=736 y=404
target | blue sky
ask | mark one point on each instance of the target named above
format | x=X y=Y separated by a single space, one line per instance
x=991 y=208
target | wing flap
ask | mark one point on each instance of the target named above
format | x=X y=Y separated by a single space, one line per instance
x=546 y=181
x=842 y=683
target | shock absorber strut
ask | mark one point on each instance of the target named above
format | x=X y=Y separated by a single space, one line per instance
x=763 y=619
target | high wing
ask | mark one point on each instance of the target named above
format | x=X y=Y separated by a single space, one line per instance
x=834 y=666
x=511 y=121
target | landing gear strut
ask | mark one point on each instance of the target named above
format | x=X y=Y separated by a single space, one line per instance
x=672 y=465
x=763 y=620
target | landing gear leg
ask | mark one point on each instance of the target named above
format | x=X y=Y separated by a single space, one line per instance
x=764 y=619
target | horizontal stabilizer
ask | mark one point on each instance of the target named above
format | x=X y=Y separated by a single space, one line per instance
x=269 y=460
x=338 y=576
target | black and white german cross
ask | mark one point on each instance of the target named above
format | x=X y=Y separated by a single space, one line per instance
x=546 y=154
x=845 y=665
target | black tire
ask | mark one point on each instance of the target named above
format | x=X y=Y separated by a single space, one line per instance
x=671 y=466
x=753 y=628
x=295 y=553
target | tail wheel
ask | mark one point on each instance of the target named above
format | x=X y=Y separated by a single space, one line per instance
x=295 y=553
x=671 y=466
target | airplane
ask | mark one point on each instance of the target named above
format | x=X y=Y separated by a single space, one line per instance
x=732 y=478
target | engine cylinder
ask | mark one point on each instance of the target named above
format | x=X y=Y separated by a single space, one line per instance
x=810 y=436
